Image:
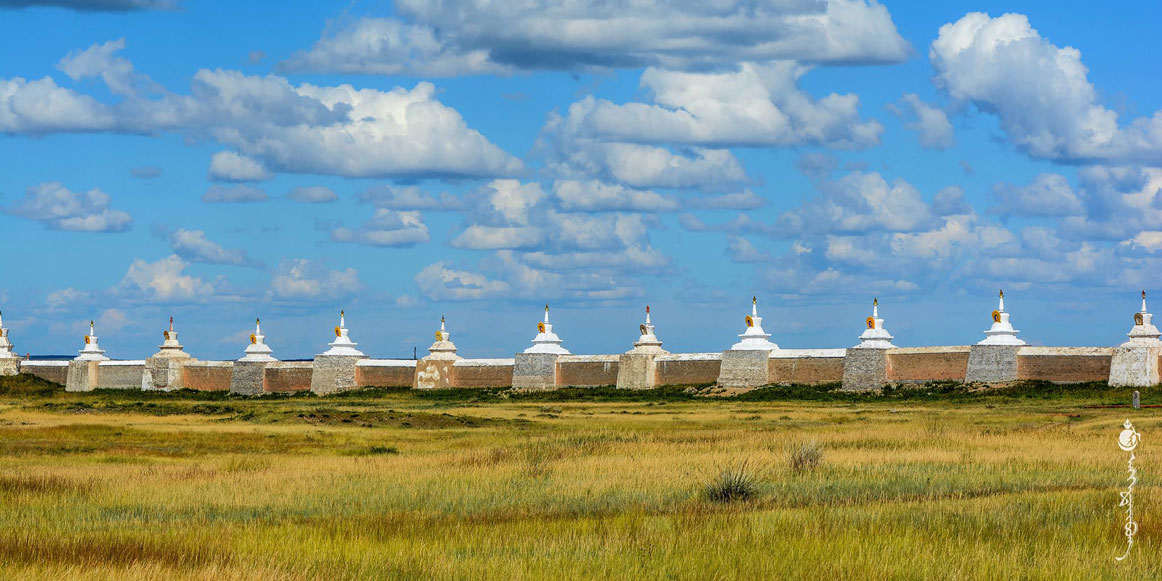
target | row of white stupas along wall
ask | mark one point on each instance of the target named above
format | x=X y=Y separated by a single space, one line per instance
x=751 y=362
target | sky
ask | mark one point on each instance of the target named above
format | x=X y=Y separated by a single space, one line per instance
x=218 y=162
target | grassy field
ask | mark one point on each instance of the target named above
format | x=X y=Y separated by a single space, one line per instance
x=780 y=483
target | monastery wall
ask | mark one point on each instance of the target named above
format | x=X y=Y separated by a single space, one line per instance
x=921 y=364
x=1064 y=364
x=287 y=377
x=785 y=366
x=587 y=370
x=385 y=373
x=806 y=366
x=120 y=374
x=54 y=371
x=687 y=368
x=208 y=375
x=1000 y=358
x=482 y=373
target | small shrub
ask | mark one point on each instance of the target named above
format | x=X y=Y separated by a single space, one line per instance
x=805 y=456
x=381 y=450
x=733 y=483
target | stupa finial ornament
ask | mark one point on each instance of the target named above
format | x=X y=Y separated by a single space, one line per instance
x=443 y=348
x=92 y=350
x=258 y=350
x=343 y=345
x=546 y=340
x=648 y=342
x=754 y=338
x=1143 y=333
x=875 y=336
x=1002 y=331
x=170 y=347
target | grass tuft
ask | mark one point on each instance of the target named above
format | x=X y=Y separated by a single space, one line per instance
x=805 y=456
x=734 y=483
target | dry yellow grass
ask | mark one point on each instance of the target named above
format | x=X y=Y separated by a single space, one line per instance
x=534 y=490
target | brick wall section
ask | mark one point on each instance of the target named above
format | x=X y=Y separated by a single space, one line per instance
x=1064 y=364
x=688 y=368
x=208 y=375
x=825 y=366
x=54 y=373
x=587 y=370
x=482 y=373
x=120 y=374
x=920 y=364
x=385 y=373
x=287 y=376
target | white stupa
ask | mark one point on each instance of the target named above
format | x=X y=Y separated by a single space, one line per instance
x=1002 y=331
x=443 y=348
x=258 y=350
x=546 y=340
x=343 y=345
x=1144 y=333
x=754 y=338
x=171 y=348
x=5 y=344
x=92 y=351
x=648 y=342
x=875 y=336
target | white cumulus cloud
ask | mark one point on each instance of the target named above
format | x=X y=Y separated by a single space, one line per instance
x=303 y=279
x=228 y=166
x=164 y=281
x=62 y=209
x=193 y=245
x=477 y=36
x=330 y=130
x=1039 y=91
x=930 y=123
x=1048 y=195
x=594 y=196
x=753 y=106
x=386 y=228
x=438 y=282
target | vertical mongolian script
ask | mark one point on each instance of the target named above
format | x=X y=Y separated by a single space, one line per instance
x=1128 y=440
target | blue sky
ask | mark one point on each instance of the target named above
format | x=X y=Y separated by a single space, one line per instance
x=222 y=161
